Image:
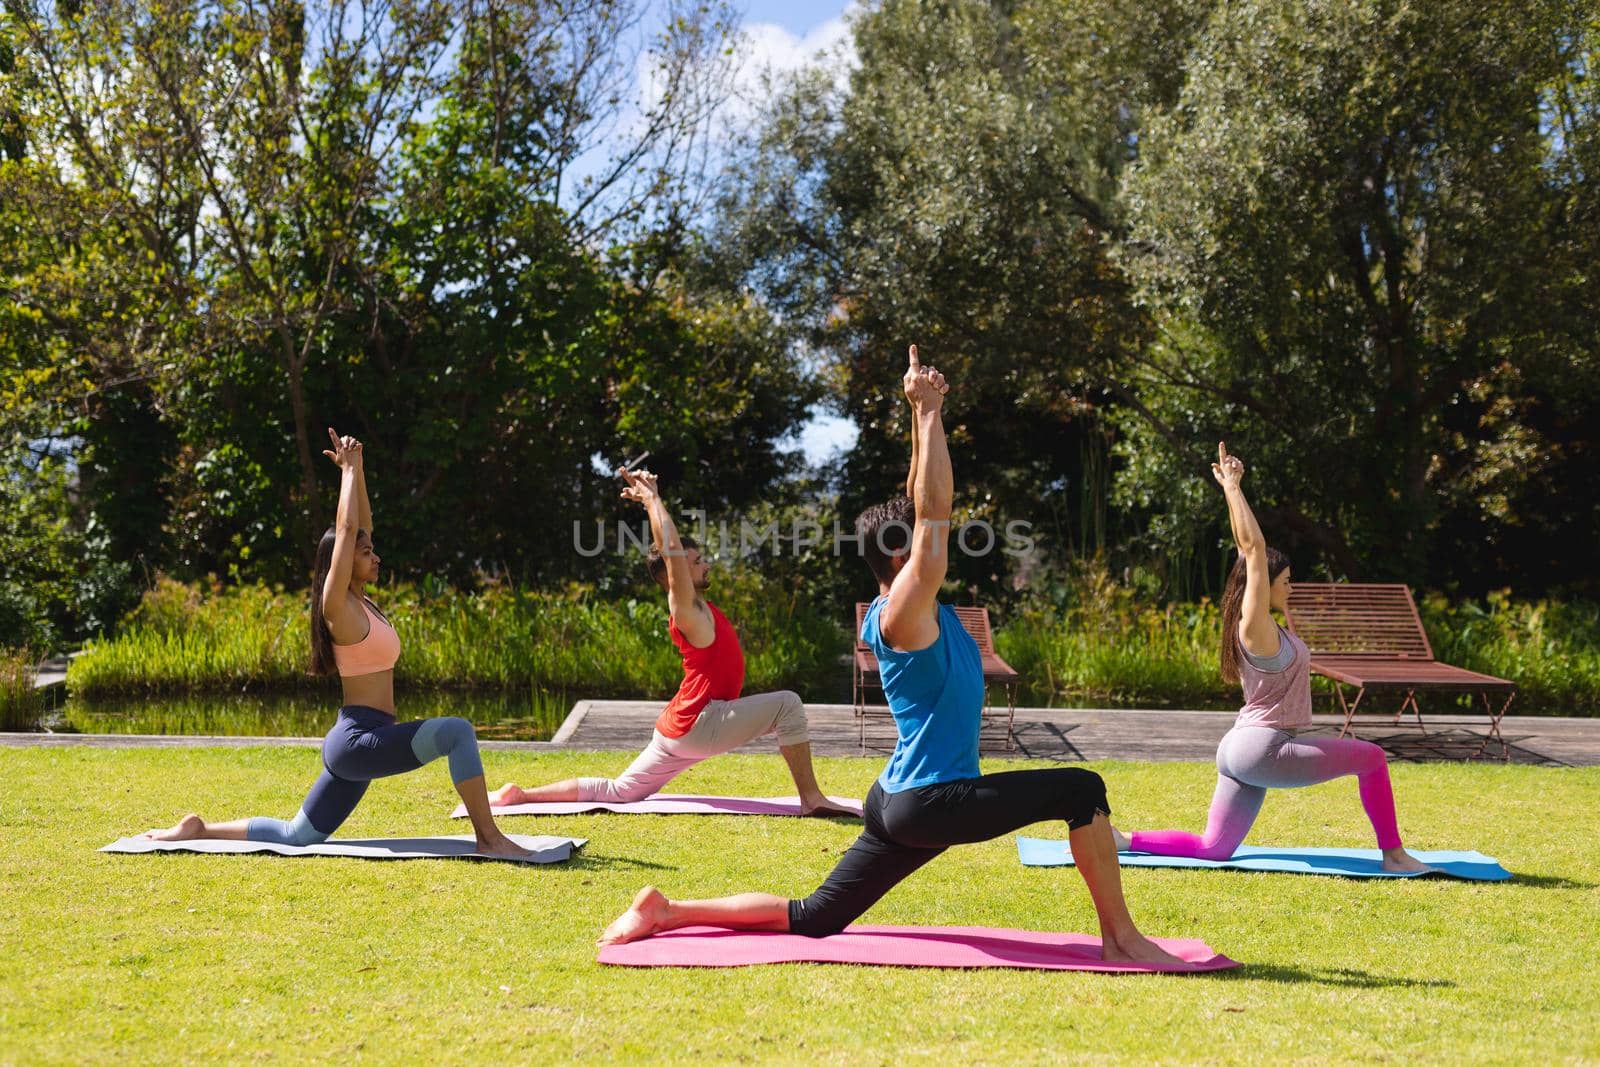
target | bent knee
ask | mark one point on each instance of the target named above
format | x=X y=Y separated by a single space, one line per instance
x=1084 y=796
x=613 y=790
x=1370 y=757
x=453 y=731
x=626 y=792
x=1216 y=850
x=811 y=918
x=792 y=726
x=297 y=831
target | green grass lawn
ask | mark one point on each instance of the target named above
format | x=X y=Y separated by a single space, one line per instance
x=239 y=958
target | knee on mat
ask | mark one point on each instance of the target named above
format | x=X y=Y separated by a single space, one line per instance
x=626 y=792
x=1086 y=796
x=1219 y=851
x=298 y=831
x=810 y=918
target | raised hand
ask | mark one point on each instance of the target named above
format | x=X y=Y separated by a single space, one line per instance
x=346 y=451
x=925 y=387
x=641 y=487
x=1227 y=470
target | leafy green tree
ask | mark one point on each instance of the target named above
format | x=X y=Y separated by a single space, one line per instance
x=234 y=225
x=958 y=189
x=1366 y=234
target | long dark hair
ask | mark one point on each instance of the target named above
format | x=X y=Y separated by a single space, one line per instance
x=321 y=637
x=1233 y=607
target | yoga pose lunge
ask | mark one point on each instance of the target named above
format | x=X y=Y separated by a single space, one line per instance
x=930 y=795
x=707 y=716
x=350 y=635
x=1262 y=751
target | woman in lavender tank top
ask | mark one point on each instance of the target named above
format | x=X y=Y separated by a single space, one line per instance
x=1263 y=750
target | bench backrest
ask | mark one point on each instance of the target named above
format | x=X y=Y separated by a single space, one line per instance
x=973 y=620
x=1358 y=619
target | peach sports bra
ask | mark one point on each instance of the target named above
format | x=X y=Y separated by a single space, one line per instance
x=373 y=653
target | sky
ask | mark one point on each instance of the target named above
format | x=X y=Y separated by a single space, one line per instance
x=775 y=36
x=783 y=34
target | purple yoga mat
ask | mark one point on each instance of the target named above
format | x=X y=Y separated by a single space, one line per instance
x=668 y=804
x=897 y=946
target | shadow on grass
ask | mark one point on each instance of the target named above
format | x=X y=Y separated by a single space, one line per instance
x=599 y=861
x=1547 y=881
x=1344 y=977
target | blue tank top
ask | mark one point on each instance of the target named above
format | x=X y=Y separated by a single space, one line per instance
x=936 y=697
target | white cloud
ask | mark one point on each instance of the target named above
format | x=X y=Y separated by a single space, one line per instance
x=764 y=51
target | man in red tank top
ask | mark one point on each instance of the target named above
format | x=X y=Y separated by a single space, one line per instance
x=707 y=716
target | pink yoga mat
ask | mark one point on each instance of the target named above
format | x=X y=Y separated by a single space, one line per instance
x=668 y=804
x=897 y=946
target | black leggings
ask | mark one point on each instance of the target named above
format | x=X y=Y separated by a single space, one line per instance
x=907 y=829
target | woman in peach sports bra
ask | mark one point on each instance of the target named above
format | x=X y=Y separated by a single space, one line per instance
x=351 y=636
x=1265 y=749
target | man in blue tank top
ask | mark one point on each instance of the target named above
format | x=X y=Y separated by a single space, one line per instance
x=931 y=794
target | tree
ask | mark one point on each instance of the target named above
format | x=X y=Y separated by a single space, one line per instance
x=212 y=186
x=442 y=227
x=1366 y=234
x=959 y=188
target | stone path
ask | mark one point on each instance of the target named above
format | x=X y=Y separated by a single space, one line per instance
x=1041 y=733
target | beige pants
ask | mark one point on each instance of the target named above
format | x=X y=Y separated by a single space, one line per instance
x=723 y=726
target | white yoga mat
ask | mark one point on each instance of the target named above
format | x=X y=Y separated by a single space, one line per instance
x=456 y=846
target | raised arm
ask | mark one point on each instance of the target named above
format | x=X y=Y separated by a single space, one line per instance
x=690 y=615
x=909 y=621
x=363 y=505
x=916 y=450
x=342 y=618
x=1256 y=629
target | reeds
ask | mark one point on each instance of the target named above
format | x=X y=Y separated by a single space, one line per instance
x=19 y=704
x=185 y=638
x=1105 y=648
x=1115 y=653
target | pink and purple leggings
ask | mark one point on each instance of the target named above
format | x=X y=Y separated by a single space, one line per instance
x=1253 y=759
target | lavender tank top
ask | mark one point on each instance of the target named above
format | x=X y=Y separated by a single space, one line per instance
x=1279 y=699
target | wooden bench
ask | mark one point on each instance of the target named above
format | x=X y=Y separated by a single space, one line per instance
x=1370 y=636
x=995 y=670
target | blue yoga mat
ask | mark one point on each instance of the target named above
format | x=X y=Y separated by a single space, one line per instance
x=1349 y=862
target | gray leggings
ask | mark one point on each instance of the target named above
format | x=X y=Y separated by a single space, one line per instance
x=723 y=726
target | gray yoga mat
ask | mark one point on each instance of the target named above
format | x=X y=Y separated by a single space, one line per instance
x=456 y=846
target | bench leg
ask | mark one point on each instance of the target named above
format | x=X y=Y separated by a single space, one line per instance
x=1011 y=716
x=858 y=694
x=1348 y=707
x=1494 y=726
x=1411 y=699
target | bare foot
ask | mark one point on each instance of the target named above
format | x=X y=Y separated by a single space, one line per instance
x=645 y=916
x=1136 y=948
x=510 y=793
x=189 y=827
x=1119 y=839
x=504 y=848
x=821 y=805
x=1399 y=861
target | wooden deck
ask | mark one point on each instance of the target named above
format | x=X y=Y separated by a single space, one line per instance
x=1096 y=734
x=1066 y=734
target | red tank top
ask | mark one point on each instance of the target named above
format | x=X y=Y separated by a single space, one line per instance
x=715 y=672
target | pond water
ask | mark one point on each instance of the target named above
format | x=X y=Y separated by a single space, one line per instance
x=498 y=715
